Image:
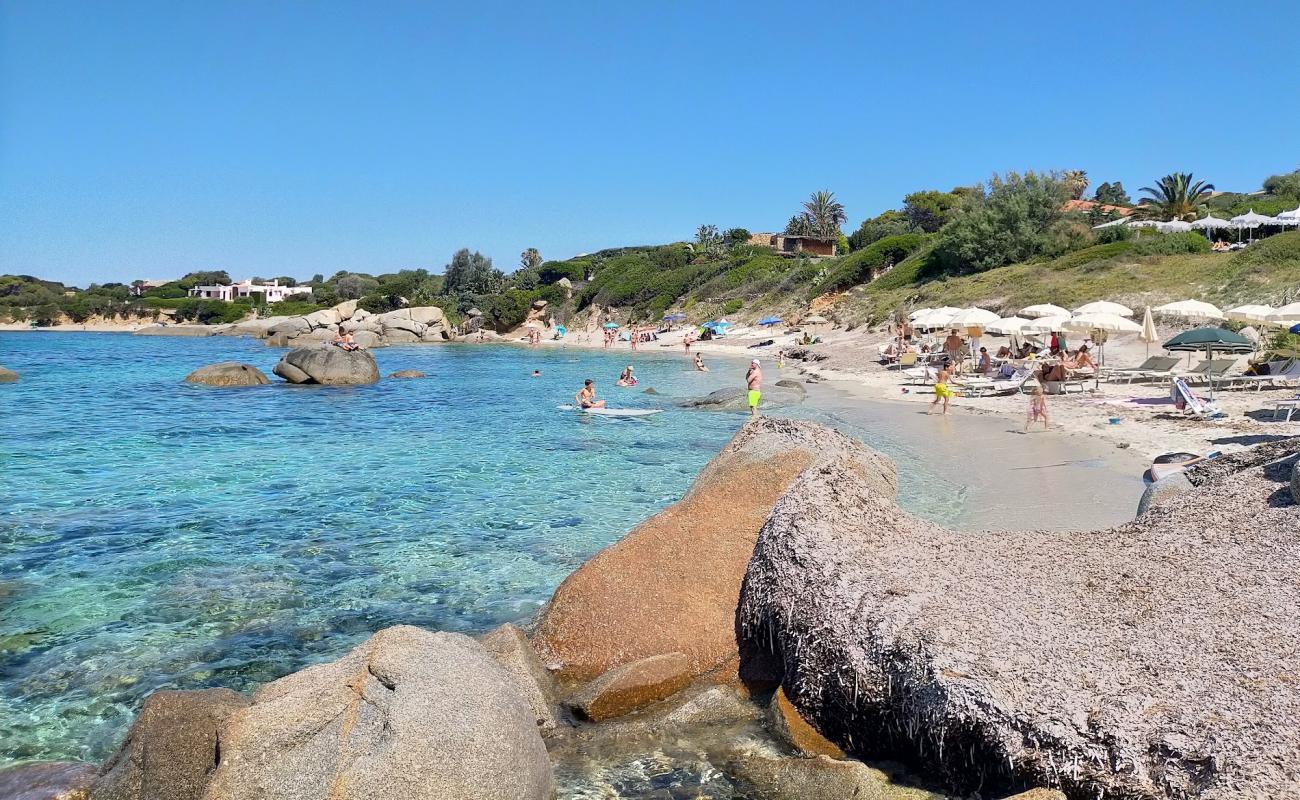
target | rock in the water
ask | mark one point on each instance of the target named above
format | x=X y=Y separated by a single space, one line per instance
x=290 y=327
x=672 y=584
x=175 y=330
x=734 y=398
x=328 y=366
x=8 y=375
x=712 y=707
x=765 y=778
x=228 y=373
x=400 y=335
x=795 y=385
x=652 y=390
x=1008 y=658
x=172 y=748
x=511 y=649
x=408 y=715
x=790 y=727
x=47 y=780
x=632 y=687
x=408 y=373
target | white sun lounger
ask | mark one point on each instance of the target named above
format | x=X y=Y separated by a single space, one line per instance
x=1286 y=370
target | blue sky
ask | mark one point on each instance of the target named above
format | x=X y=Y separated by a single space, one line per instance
x=143 y=139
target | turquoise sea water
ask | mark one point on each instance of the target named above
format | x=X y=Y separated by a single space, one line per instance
x=159 y=535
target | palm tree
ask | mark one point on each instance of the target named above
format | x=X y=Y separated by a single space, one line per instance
x=1174 y=197
x=1076 y=182
x=825 y=215
x=799 y=225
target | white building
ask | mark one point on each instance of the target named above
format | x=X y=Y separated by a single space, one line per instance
x=274 y=291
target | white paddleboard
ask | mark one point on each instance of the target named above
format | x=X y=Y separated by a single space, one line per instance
x=613 y=412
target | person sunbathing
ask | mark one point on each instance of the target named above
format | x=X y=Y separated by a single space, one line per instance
x=1005 y=352
x=344 y=340
x=1082 y=359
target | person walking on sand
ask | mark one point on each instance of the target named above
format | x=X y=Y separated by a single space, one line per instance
x=754 y=380
x=941 y=391
x=1037 y=408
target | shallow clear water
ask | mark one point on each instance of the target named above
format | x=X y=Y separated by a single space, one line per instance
x=159 y=535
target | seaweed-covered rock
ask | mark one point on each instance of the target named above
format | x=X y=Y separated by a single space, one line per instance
x=672 y=584
x=1153 y=660
x=408 y=373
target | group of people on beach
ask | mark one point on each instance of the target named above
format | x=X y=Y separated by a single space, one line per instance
x=586 y=396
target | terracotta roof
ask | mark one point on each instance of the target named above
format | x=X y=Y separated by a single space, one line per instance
x=1089 y=205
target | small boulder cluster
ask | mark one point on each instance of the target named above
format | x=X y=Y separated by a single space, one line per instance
x=403 y=326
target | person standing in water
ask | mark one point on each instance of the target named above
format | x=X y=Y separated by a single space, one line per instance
x=754 y=380
x=586 y=397
x=699 y=363
x=941 y=391
x=1037 y=409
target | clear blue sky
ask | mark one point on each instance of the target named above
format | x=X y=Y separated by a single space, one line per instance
x=142 y=139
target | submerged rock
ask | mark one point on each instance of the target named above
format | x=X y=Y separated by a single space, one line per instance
x=408 y=373
x=329 y=366
x=408 y=715
x=1153 y=660
x=672 y=584
x=172 y=747
x=228 y=373
x=632 y=687
x=47 y=780
x=736 y=399
x=762 y=777
x=8 y=375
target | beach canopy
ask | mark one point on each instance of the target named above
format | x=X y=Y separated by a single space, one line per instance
x=611 y=325
x=716 y=325
x=1290 y=214
x=1045 y=310
x=1112 y=224
x=1097 y=321
x=936 y=317
x=770 y=321
x=1249 y=313
x=1189 y=309
x=1211 y=223
x=1144 y=223
x=1210 y=339
x=919 y=312
x=1007 y=326
x=1287 y=314
x=1174 y=226
x=1055 y=324
x=972 y=317
x=1104 y=307
x=1251 y=220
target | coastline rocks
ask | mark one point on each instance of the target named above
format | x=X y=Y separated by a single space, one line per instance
x=734 y=398
x=328 y=366
x=766 y=778
x=408 y=715
x=8 y=375
x=632 y=687
x=228 y=373
x=509 y=646
x=1149 y=660
x=171 y=749
x=47 y=780
x=785 y=722
x=175 y=330
x=672 y=584
x=408 y=373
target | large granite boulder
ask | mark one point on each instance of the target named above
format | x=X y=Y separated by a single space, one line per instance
x=672 y=584
x=253 y=327
x=735 y=398
x=348 y=309
x=228 y=373
x=408 y=715
x=511 y=649
x=1153 y=660
x=632 y=687
x=324 y=318
x=47 y=780
x=328 y=366
x=289 y=327
x=400 y=336
x=368 y=339
x=366 y=324
x=8 y=375
x=429 y=315
x=172 y=748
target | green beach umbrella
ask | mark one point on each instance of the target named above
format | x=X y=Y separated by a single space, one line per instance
x=1211 y=340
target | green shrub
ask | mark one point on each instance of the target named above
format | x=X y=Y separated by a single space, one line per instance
x=1282 y=249
x=1016 y=220
x=552 y=271
x=1169 y=244
x=1099 y=252
x=293 y=308
x=732 y=306
x=863 y=265
x=1117 y=233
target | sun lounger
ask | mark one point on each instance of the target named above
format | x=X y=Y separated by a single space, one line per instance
x=1210 y=371
x=1155 y=367
x=1279 y=372
x=920 y=376
x=983 y=387
x=1289 y=406
x=1193 y=403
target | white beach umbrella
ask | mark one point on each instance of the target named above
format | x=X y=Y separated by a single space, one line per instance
x=1174 y=226
x=1250 y=220
x=1045 y=310
x=1249 y=313
x=1211 y=223
x=1048 y=324
x=1104 y=307
x=1189 y=309
x=1007 y=326
x=1286 y=315
x=919 y=313
x=969 y=317
x=1098 y=321
x=1144 y=223
x=1148 y=333
x=1290 y=214
x=1115 y=223
x=937 y=317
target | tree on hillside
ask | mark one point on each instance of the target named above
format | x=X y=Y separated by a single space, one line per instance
x=1285 y=185
x=1175 y=196
x=1017 y=218
x=1076 y=182
x=530 y=259
x=352 y=286
x=1112 y=194
x=471 y=273
x=207 y=278
x=929 y=210
x=708 y=241
x=799 y=225
x=888 y=223
x=825 y=214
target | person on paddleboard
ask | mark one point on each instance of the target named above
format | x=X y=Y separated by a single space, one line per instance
x=586 y=398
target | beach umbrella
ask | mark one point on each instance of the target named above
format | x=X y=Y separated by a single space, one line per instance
x=1096 y=321
x=717 y=325
x=1190 y=309
x=1148 y=333
x=1286 y=315
x=1104 y=307
x=1115 y=223
x=972 y=317
x=1210 y=340
x=1290 y=214
x=1174 y=226
x=936 y=317
x=919 y=313
x=611 y=325
x=1249 y=313
x=1007 y=326
x=1055 y=324
x=768 y=321
x=1144 y=223
x=1211 y=223
x=1045 y=310
x=1250 y=220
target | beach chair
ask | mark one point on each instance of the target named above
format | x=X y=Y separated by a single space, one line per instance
x=920 y=376
x=1279 y=372
x=994 y=388
x=906 y=360
x=1193 y=402
x=1208 y=371
x=1159 y=366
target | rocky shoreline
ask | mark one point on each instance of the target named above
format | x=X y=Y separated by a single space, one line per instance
x=786 y=613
